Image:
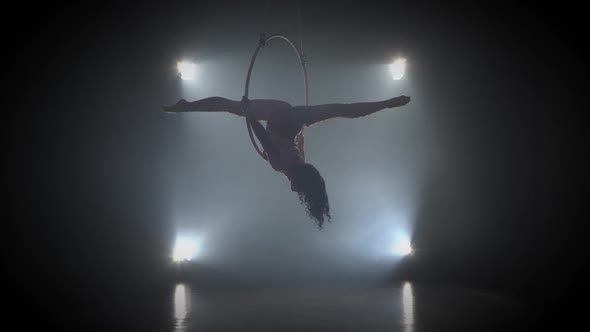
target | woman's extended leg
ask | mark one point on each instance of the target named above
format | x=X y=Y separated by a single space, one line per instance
x=259 y=108
x=314 y=114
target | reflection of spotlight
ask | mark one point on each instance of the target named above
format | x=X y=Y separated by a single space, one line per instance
x=182 y=305
x=184 y=250
x=398 y=68
x=186 y=70
x=403 y=247
x=408 y=307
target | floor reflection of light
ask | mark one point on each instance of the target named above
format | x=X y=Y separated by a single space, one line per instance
x=408 y=307
x=181 y=305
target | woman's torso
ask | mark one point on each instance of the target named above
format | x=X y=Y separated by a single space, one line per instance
x=283 y=129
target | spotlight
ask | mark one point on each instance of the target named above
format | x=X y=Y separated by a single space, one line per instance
x=184 y=250
x=186 y=70
x=398 y=68
x=403 y=248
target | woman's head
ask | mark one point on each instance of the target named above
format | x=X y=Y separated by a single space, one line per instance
x=311 y=188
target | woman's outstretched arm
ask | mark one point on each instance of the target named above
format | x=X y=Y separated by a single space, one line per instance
x=314 y=114
x=259 y=108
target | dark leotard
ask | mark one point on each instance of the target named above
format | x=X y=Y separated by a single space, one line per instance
x=284 y=129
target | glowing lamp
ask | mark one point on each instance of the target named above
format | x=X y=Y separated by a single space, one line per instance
x=398 y=68
x=186 y=70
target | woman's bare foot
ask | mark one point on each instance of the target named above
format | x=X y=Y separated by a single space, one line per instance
x=397 y=101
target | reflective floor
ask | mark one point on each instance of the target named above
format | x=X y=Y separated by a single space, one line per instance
x=401 y=307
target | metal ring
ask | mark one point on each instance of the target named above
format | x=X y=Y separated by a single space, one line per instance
x=302 y=61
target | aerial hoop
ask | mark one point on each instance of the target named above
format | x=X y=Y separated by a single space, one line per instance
x=263 y=42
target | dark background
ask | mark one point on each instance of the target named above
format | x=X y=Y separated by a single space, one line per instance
x=499 y=204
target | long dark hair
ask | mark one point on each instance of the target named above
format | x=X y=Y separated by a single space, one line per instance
x=311 y=189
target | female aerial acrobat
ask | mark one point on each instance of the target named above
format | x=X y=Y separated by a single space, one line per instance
x=282 y=140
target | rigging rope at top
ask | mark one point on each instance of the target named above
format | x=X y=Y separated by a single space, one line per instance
x=300 y=31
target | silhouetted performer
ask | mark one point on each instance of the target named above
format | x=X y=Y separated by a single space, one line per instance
x=282 y=140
